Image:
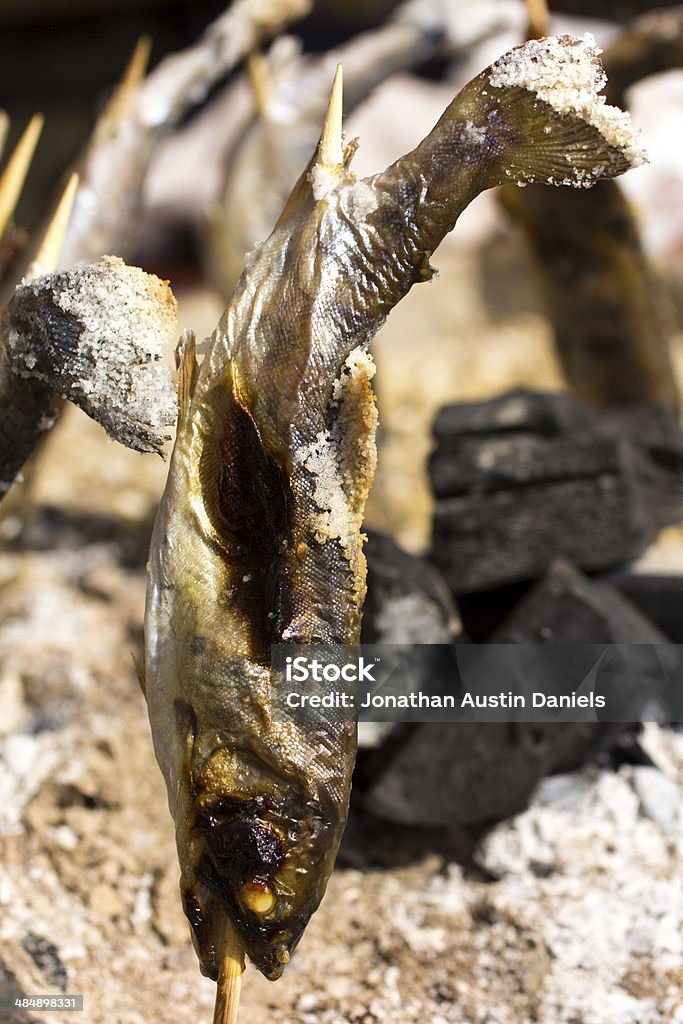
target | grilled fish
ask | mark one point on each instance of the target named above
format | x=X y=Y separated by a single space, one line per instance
x=292 y=97
x=257 y=540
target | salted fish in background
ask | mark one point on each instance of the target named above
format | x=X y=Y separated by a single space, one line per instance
x=143 y=110
x=612 y=324
x=257 y=540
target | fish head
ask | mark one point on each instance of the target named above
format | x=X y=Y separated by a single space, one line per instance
x=260 y=851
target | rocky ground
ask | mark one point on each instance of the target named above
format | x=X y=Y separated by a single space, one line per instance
x=570 y=913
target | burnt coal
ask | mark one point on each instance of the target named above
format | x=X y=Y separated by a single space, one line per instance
x=408 y=600
x=565 y=607
x=657 y=595
x=471 y=774
x=528 y=477
x=475 y=773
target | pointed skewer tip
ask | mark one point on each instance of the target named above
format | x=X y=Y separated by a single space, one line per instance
x=125 y=92
x=331 y=149
x=136 y=68
x=17 y=168
x=46 y=260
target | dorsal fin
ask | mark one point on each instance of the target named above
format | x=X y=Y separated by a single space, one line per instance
x=46 y=259
x=14 y=175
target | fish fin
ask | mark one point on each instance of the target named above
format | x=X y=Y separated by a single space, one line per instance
x=535 y=115
x=46 y=259
x=186 y=359
x=140 y=673
x=328 y=167
x=557 y=126
x=15 y=172
x=300 y=198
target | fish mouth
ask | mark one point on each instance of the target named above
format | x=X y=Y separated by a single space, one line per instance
x=268 y=948
x=265 y=869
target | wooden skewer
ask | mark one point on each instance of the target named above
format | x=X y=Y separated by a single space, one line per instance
x=260 y=79
x=125 y=92
x=46 y=259
x=539 y=18
x=14 y=175
x=229 y=977
x=4 y=128
x=331 y=148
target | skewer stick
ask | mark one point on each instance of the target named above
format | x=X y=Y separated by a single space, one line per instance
x=46 y=259
x=14 y=175
x=125 y=92
x=539 y=19
x=4 y=128
x=229 y=977
x=260 y=79
x=331 y=148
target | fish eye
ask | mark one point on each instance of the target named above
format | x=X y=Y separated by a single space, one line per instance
x=258 y=897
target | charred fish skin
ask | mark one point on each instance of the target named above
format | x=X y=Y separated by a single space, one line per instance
x=258 y=537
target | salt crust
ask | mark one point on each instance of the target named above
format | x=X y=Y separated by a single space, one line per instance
x=566 y=73
x=321 y=458
x=113 y=366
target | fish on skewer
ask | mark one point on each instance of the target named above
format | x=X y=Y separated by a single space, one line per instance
x=143 y=110
x=291 y=92
x=94 y=335
x=258 y=536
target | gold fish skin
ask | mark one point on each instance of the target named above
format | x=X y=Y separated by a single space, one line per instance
x=258 y=538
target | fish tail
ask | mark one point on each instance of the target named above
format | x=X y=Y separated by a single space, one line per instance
x=535 y=115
